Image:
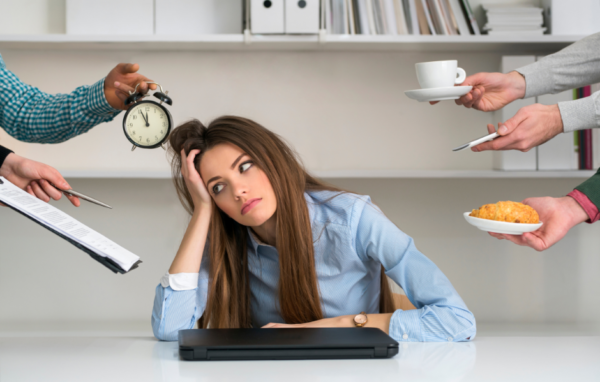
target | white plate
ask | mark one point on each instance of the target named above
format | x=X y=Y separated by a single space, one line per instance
x=501 y=227
x=438 y=94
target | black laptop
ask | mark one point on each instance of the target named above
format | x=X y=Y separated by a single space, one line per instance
x=279 y=344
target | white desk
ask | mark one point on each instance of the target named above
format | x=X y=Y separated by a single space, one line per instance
x=87 y=359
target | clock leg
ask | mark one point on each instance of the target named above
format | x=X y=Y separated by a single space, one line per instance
x=133 y=147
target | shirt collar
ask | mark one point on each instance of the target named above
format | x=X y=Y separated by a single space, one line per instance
x=255 y=240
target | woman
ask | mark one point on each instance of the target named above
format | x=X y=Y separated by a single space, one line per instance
x=285 y=250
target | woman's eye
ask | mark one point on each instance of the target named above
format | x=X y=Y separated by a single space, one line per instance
x=245 y=166
x=217 y=188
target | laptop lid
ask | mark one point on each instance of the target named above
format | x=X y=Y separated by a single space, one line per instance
x=288 y=343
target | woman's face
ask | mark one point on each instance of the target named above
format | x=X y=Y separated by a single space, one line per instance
x=238 y=186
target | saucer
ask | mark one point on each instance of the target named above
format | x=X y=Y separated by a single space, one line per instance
x=501 y=227
x=438 y=94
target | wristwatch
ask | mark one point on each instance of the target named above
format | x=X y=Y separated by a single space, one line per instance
x=360 y=320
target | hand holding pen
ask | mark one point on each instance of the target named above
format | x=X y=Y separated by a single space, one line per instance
x=40 y=180
x=35 y=177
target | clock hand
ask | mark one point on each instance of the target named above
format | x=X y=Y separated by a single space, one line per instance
x=147 y=123
x=145 y=119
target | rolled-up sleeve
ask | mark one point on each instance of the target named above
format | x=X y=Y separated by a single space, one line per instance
x=28 y=114
x=441 y=314
x=175 y=310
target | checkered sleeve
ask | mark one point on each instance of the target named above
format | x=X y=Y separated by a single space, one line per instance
x=28 y=114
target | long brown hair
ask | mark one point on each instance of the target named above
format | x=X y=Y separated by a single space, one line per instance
x=228 y=304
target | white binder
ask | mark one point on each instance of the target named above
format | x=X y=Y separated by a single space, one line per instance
x=302 y=16
x=572 y=17
x=110 y=17
x=31 y=17
x=198 y=17
x=267 y=16
x=512 y=160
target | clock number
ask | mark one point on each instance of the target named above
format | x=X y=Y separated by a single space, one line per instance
x=133 y=132
x=154 y=111
x=130 y=124
x=164 y=124
x=147 y=109
x=148 y=140
x=162 y=132
x=135 y=117
x=156 y=137
x=161 y=115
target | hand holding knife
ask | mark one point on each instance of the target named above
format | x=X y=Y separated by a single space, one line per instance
x=476 y=142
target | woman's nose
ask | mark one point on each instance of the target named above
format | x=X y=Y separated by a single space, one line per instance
x=239 y=189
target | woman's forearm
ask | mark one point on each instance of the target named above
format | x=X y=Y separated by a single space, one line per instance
x=189 y=255
x=380 y=321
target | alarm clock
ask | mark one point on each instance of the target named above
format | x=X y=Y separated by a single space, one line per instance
x=147 y=123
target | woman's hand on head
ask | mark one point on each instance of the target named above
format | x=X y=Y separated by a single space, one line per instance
x=193 y=180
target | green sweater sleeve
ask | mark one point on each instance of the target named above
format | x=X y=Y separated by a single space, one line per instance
x=591 y=188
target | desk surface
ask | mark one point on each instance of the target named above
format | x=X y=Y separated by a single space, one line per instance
x=77 y=358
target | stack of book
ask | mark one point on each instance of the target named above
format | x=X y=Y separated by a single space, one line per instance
x=587 y=142
x=513 y=20
x=400 y=17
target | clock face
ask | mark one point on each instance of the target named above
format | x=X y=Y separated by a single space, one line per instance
x=147 y=124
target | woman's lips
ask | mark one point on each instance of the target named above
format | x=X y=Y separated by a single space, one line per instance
x=250 y=205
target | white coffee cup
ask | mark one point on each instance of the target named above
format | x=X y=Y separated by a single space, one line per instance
x=439 y=74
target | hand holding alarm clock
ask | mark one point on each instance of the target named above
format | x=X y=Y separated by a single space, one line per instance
x=147 y=124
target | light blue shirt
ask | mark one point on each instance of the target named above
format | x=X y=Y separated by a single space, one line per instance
x=28 y=114
x=352 y=239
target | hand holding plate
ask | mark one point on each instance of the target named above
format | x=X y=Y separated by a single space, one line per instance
x=559 y=216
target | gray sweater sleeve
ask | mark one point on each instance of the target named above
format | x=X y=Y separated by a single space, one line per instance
x=575 y=66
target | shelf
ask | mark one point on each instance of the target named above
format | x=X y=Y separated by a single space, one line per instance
x=451 y=174
x=364 y=174
x=496 y=44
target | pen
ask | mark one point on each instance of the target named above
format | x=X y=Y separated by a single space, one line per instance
x=81 y=196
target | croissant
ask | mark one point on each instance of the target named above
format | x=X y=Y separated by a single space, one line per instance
x=512 y=212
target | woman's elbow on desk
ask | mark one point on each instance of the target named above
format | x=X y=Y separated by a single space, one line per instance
x=173 y=311
x=433 y=323
x=462 y=327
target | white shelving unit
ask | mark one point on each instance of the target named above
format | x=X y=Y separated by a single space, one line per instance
x=238 y=42
x=496 y=44
x=363 y=174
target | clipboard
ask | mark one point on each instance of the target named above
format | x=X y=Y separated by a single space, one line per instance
x=107 y=262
